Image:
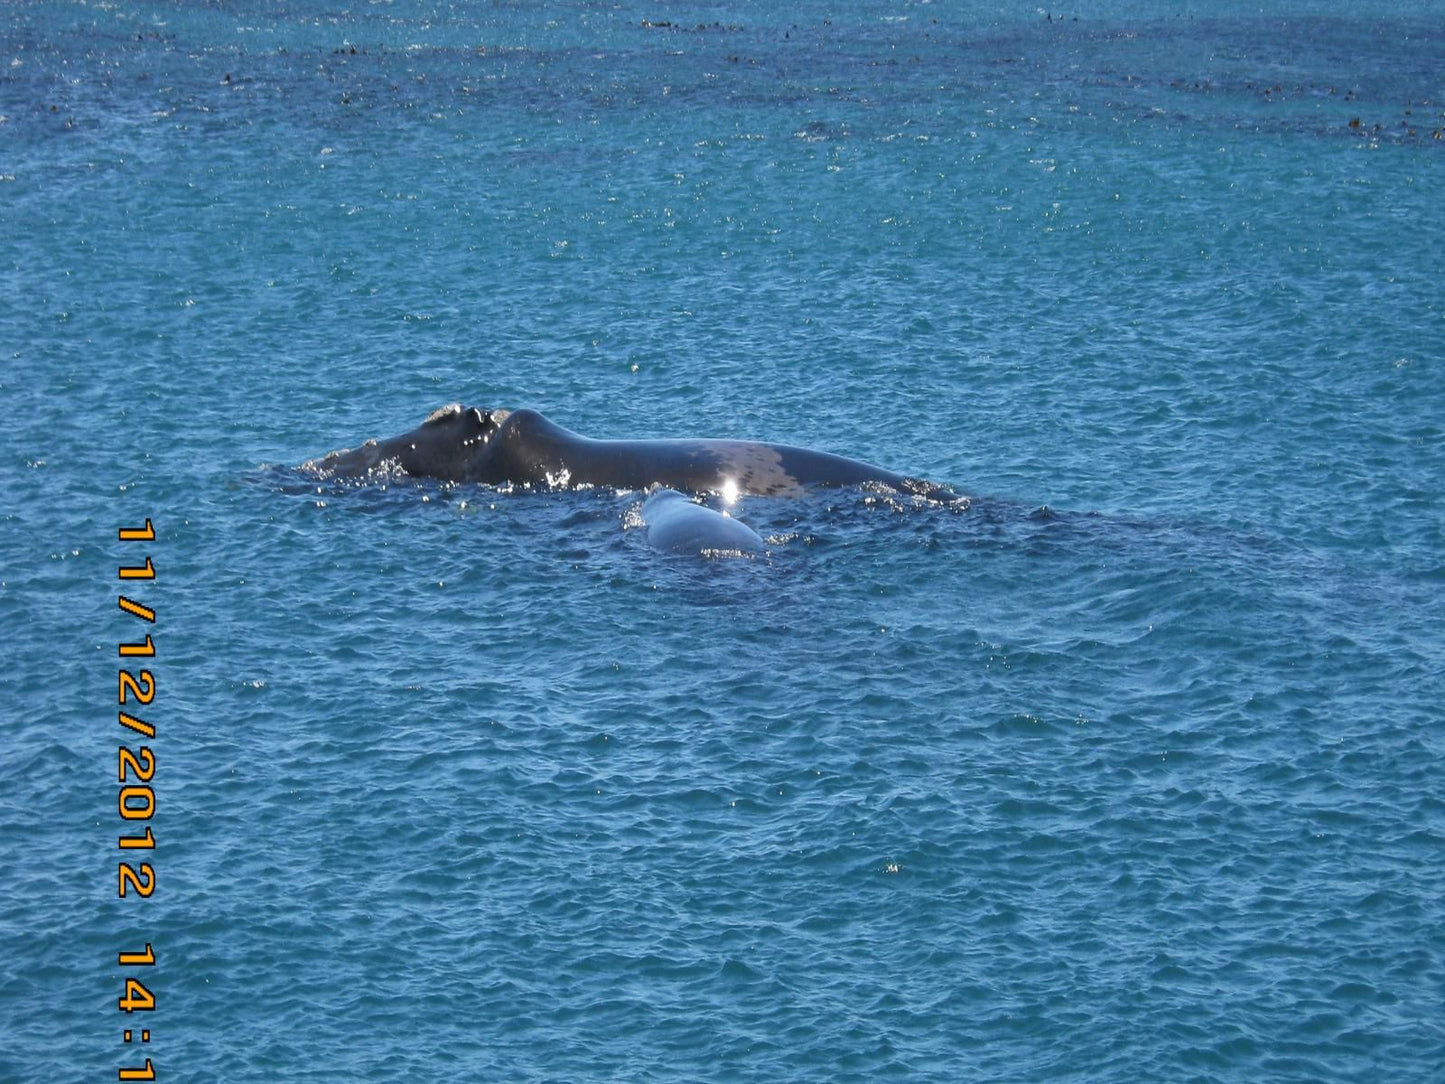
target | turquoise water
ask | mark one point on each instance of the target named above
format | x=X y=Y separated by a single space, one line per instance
x=1131 y=770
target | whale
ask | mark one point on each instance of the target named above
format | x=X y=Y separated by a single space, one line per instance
x=522 y=447
x=678 y=524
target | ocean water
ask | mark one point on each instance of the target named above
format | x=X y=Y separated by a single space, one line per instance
x=1129 y=770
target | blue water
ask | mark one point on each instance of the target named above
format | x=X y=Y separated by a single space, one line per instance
x=1130 y=770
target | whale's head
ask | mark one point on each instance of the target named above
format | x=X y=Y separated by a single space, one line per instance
x=454 y=443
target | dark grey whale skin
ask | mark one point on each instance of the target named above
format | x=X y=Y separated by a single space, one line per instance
x=522 y=447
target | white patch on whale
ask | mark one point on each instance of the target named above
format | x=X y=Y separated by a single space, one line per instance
x=757 y=468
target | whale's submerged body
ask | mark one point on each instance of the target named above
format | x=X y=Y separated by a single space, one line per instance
x=678 y=524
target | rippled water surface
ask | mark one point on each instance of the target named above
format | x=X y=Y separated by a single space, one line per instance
x=1131 y=769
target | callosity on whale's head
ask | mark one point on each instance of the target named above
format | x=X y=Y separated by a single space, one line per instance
x=454 y=443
